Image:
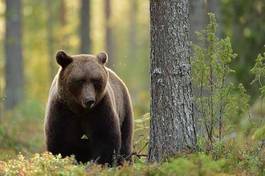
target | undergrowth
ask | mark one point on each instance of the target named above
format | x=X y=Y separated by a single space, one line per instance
x=235 y=161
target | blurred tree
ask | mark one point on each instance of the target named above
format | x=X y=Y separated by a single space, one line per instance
x=85 y=40
x=244 y=22
x=198 y=17
x=109 y=43
x=50 y=38
x=132 y=28
x=172 y=127
x=213 y=6
x=63 y=22
x=14 y=76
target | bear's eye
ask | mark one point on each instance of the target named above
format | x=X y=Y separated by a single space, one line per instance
x=96 y=82
x=79 y=81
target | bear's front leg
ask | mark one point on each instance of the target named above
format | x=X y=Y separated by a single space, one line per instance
x=60 y=141
x=63 y=134
x=107 y=142
x=126 y=136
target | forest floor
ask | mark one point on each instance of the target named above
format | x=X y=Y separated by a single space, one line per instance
x=190 y=165
x=22 y=152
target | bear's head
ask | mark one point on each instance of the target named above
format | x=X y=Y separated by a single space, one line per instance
x=82 y=79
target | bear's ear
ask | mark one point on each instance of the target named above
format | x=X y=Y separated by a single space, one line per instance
x=63 y=59
x=102 y=57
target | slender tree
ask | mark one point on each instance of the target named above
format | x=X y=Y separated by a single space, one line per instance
x=109 y=45
x=132 y=28
x=198 y=16
x=198 y=21
x=50 y=38
x=172 y=127
x=14 y=78
x=85 y=40
x=213 y=6
x=63 y=23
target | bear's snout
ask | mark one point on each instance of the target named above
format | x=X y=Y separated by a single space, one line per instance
x=89 y=103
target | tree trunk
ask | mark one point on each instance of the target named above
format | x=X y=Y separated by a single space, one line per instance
x=198 y=17
x=2 y=93
x=63 y=22
x=13 y=52
x=213 y=6
x=132 y=29
x=109 y=45
x=172 y=127
x=50 y=39
x=85 y=40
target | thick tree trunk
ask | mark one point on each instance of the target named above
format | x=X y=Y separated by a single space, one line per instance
x=13 y=52
x=109 y=45
x=172 y=127
x=85 y=40
x=50 y=39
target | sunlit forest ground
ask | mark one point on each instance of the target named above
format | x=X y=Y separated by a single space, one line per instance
x=22 y=152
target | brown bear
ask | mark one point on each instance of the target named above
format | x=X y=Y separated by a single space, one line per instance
x=89 y=112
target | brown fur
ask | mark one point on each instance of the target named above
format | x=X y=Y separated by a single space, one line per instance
x=108 y=123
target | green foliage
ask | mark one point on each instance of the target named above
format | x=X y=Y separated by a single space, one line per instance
x=259 y=71
x=141 y=133
x=241 y=156
x=21 y=130
x=259 y=133
x=196 y=164
x=243 y=21
x=218 y=99
x=236 y=162
x=44 y=164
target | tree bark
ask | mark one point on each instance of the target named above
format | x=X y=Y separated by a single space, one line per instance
x=172 y=128
x=109 y=44
x=85 y=40
x=50 y=39
x=14 y=78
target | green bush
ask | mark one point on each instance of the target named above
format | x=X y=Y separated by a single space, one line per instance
x=219 y=102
